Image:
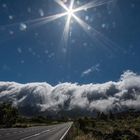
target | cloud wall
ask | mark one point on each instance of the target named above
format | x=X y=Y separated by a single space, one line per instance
x=105 y=97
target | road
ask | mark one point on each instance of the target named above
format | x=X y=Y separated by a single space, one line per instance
x=53 y=132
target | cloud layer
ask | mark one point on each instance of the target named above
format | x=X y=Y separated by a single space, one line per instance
x=105 y=97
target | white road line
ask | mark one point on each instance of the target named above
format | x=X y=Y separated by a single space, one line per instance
x=7 y=129
x=37 y=134
x=65 y=133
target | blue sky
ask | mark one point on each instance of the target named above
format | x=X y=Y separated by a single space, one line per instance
x=36 y=52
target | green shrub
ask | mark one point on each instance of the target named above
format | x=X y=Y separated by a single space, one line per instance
x=8 y=114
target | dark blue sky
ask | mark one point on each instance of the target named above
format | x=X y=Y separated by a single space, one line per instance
x=32 y=52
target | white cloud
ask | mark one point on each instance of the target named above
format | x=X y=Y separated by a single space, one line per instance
x=120 y=95
x=93 y=69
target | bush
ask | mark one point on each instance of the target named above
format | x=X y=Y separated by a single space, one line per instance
x=8 y=114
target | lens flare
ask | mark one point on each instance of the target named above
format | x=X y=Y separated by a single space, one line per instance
x=70 y=13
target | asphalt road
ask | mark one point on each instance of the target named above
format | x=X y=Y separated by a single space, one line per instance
x=53 y=132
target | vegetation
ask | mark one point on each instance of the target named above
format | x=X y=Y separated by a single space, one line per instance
x=121 y=126
x=10 y=117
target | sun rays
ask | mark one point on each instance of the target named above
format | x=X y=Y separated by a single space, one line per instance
x=70 y=13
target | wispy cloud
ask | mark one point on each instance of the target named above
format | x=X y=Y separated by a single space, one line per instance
x=91 y=70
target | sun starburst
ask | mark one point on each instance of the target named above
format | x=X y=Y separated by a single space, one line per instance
x=70 y=12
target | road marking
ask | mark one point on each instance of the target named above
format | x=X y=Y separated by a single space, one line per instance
x=37 y=134
x=65 y=133
x=7 y=129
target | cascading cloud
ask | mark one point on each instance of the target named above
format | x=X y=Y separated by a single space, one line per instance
x=105 y=97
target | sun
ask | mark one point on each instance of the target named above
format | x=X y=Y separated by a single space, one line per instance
x=70 y=13
x=70 y=10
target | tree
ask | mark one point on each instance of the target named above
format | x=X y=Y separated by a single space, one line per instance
x=8 y=114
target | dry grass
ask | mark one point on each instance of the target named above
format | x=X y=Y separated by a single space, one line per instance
x=85 y=137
